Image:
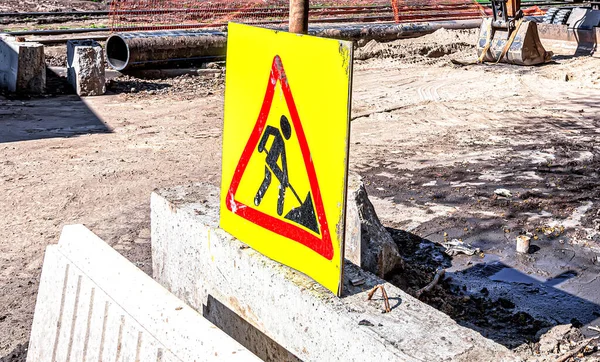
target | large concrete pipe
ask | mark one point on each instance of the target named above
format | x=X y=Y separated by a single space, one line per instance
x=160 y=48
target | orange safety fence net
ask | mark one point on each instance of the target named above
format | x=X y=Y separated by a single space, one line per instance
x=139 y=15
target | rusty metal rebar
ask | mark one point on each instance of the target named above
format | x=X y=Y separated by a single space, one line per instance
x=298 y=16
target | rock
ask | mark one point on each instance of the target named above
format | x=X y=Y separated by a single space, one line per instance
x=368 y=244
x=85 y=67
x=551 y=340
x=503 y=192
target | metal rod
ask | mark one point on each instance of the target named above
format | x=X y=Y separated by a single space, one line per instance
x=298 y=16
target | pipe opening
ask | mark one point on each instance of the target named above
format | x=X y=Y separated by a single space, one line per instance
x=117 y=52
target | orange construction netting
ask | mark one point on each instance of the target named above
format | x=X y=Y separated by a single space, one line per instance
x=136 y=15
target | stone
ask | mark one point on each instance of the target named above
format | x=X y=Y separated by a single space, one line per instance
x=503 y=192
x=94 y=305
x=555 y=339
x=367 y=243
x=256 y=299
x=22 y=66
x=85 y=67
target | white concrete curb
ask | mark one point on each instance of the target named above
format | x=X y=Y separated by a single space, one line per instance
x=94 y=305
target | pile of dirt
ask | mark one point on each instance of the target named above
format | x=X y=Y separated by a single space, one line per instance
x=56 y=56
x=182 y=87
x=56 y=60
x=438 y=46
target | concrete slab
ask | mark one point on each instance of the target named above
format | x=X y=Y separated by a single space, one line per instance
x=93 y=305
x=22 y=66
x=205 y=266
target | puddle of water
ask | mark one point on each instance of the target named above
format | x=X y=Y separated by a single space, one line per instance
x=490 y=258
x=510 y=275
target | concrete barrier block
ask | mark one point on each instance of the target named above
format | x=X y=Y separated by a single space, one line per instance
x=85 y=67
x=22 y=66
x=368 y=244
x=93 y=305
x=206 y=266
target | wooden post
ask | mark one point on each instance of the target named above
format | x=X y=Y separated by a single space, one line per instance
x=299 y=16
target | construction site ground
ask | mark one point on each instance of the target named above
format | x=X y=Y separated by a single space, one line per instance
x=434 y=142
x=52 y=5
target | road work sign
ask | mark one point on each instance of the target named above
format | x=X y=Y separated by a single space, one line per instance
x=285 y=147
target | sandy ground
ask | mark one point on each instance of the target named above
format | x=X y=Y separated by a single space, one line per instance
x=431 y=139
x=51 y=5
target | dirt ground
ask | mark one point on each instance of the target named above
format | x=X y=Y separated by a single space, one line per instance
x=433 y=141
x=51 y=5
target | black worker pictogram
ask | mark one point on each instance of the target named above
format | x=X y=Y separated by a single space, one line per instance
x=305 y=213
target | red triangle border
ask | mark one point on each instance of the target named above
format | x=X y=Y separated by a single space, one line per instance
x=322 y=246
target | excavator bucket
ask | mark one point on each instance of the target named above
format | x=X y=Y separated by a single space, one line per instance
x=523 y=47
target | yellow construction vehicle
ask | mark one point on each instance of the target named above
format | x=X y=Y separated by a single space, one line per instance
x=507 y=37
